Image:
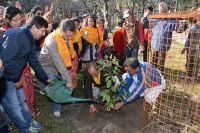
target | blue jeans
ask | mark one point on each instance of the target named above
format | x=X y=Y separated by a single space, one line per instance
x=56 y=106
x=15 y=104
x=132 y=51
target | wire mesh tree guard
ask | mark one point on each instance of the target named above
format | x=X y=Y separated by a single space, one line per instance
x=177 y=109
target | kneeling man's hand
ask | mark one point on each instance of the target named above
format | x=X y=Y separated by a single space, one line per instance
x=118 y=105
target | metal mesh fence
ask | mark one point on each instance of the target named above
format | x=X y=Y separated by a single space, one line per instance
x=174 y=49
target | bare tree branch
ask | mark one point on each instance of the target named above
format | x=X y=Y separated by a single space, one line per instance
x=127 y=4
x=84 y=2
x=115 y=6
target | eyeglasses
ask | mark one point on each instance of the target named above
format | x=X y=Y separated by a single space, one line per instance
x=17 y=20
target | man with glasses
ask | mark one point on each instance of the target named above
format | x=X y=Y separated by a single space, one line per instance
x=16 y=50
x=36 y=11
x=55 y=56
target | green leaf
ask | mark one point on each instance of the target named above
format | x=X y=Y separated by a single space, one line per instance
x=113 y=79
x=114 y=89
x=111 y=105
x=123 y=97
x=108 y=84
x=104 y=95
x=106 y=74
x=115 y=63
x=123 y=82
x=107 y=78
x=107 y=98
x=103 y=99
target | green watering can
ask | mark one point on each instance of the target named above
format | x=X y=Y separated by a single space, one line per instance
x=58 y=92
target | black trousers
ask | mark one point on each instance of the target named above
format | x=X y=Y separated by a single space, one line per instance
x=145 y=51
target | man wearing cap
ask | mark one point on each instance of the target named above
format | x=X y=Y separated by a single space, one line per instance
x=134 y=33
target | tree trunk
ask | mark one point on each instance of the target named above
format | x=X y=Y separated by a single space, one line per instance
x=195 y=3
x=84 y=3
x=105 y=14
x=143 y=6
x=176 y=6
x=95 y=8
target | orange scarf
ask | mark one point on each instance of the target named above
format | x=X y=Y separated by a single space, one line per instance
x=62 y=49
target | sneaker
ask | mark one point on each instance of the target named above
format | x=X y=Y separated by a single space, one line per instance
x=32 y=130
x=36 y=125
x=56 y=114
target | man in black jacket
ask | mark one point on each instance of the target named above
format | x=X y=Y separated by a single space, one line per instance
x=16 y=50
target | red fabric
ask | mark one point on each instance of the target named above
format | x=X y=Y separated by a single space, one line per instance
x=153 y=84
x=28 y=87
x=140 y=33
x=4 y=28
x=147 y=34
x=119 y=40
x=140 y=30
x=73 y=71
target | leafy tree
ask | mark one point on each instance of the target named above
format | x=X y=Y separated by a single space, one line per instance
x=109 y=93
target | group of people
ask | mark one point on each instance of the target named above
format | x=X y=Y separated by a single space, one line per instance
x=59 y=49
x=52 y=49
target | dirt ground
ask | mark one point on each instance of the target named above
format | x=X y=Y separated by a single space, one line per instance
x=76 y=119
x=126 y=120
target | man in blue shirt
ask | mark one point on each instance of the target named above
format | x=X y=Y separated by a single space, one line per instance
x=17 y=48
x=136 y=76
x=135 y=80
x=161 y=37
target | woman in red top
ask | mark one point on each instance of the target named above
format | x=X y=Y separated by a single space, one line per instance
x=119 y=39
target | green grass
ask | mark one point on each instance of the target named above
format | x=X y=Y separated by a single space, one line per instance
x=175 y=60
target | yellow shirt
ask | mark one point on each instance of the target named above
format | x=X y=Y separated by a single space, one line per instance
x=97 y=79
x=77 y=38
x=94 y=35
